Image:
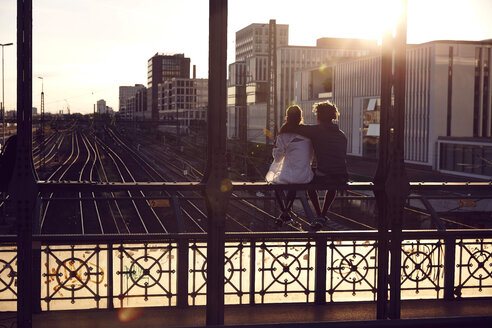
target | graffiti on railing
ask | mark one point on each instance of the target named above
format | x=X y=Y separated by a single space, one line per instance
x=422 y=269
x=73 y=274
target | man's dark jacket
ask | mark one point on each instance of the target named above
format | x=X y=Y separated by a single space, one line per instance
x=330 y=147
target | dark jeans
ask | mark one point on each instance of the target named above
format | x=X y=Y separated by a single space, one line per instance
x=333 y=179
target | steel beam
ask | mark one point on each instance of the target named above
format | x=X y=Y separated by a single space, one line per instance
x=391 y=182
x=381 y=176
x=397 y=187
x=218 y=186
x=23 y=184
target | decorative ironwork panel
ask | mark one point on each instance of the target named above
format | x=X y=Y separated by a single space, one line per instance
x=285 y=272
x=8 y=278
x=145 y=275
x=473 y=275
x=236 y=274
x=74 y=277
x=197 y=279
x=422 y=269
x=352 y=270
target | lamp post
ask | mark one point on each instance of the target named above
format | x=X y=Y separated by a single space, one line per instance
x=3 y=96
x=41 y=105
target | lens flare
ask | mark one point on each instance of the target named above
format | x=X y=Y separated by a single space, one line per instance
x=129 y=314
x=225 y=185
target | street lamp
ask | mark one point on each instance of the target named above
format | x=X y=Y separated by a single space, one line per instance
x=41 y=105
x=3 y=96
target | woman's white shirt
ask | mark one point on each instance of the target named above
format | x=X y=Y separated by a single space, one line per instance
x=292 y=157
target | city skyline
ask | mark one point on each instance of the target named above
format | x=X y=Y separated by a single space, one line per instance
x=109 y=42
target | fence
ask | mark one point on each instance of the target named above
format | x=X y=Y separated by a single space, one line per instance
x=77 y=272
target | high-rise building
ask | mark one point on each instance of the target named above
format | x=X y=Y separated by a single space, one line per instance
x=126 y=92
x=248 y=87
x=291 y=59
x=253 y=40
x=183 y=100
x=141 y=109
x=101 y=106
x=249 y=74
x=160 y=68
x=131 y=105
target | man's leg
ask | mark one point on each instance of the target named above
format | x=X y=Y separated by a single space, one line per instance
x=313 y=196
x=329 y=197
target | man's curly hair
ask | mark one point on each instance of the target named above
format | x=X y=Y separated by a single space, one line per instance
x=326 y=111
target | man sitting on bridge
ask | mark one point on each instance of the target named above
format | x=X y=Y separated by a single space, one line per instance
x=330 y=151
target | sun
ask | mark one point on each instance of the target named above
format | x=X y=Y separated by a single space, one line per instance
x=362 y=19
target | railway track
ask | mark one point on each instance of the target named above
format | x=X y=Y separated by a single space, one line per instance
x=110 y=157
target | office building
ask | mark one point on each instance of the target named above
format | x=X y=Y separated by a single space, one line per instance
x=183 y=102
x=253 y=40
x=101 y=106
x=291 y=59
x=131 y=105
x=141 y=109
x=160 y=68
x=448 y=114
x=126 y=92
x=250 y=71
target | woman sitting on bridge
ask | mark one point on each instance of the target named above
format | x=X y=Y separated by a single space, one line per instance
x=292 y=157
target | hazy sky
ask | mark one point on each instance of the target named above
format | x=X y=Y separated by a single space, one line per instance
x=85 y=49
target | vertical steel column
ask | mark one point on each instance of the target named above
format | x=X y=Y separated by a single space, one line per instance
x=397 y=184
x=381 y=175
x=391 y=182
x=23 y=184
x=218 y=186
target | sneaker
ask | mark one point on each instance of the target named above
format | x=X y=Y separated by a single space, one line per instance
x=318 y=223
x=283 y=219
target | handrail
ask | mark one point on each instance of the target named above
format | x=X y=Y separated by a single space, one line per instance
x=45 y=186
x=277 y=235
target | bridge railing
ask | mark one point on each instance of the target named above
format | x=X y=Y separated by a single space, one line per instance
x=106 y=271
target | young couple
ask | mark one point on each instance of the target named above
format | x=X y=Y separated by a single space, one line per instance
x=293 y=155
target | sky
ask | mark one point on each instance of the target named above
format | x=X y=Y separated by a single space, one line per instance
x=84 y=50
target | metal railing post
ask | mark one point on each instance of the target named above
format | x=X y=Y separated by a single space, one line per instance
x=252 y=272
x=320 y=271
x=449 y=267
x=36 y=276
x=182 y=273
x=110 y=277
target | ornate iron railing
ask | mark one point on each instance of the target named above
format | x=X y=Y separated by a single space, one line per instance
x=77 y=272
